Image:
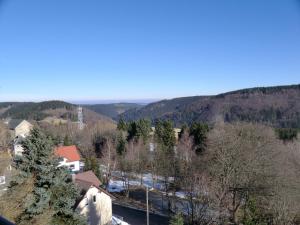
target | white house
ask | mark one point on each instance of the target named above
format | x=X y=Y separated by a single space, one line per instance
x=69 y=156
x=21 y=129
x=18 y=147
x=95 y=203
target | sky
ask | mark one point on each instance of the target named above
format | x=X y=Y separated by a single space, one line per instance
x=117 y=50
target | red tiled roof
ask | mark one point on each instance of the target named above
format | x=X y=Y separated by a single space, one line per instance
x=69 y=152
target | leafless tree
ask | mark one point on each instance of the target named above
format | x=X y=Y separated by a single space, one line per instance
x=108 y=158
x=193 y=181
x=238 y=162
x=5 y=137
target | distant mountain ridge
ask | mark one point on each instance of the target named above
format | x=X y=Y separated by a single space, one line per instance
x=278 y=106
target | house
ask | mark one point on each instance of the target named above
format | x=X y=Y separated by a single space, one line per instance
x=21 y=128
x=18 y=147
x=176 y=132
x=95 y=203
x=69 y=156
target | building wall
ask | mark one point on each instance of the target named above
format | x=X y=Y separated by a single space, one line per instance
x=18 y=149
x=23 y=129
x=98 y=212
x=75 y=165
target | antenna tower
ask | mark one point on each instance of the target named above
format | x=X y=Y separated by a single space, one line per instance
x=80 y=118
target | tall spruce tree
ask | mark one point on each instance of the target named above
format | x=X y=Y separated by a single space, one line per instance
x=165 y=135
x=199 y=133
x=53 y=189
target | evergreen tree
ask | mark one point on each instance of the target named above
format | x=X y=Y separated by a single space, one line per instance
x=53 y=188
x=132 y=131
x=164 y=134
x=121 y=145
x=177 y=220
x=122 y=125
x=287 y=134
x=139 y=129
x=67 y=141
x=92 y=164
x=199 y=133
x=143 y=129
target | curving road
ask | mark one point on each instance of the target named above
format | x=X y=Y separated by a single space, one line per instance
x=137 y=217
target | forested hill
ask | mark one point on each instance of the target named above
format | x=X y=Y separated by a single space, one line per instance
x=31 y=110
x=113 y=110
x=278 y=106
x=41 y=110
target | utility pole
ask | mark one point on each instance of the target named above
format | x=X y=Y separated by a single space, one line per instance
x=147 y=200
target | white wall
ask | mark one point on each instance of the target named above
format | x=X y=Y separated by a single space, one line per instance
x=23 y=129
x=74 y=165
x=98 y=212
x=18 y=149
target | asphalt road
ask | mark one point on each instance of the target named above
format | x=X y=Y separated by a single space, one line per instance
x=137 y=217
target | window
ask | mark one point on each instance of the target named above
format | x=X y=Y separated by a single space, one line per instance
x=94 y=198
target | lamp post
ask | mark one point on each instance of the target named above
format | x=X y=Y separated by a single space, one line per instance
x=147 y=201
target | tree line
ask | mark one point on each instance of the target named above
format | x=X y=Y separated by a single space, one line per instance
x=230 y=173
x=239 y=173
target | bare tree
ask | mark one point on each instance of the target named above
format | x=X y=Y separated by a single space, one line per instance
x=193 y=181
x=5 y=137
x=108 y=158
x=238 y=158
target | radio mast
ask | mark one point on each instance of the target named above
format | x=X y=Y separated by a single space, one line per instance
x=80 y=117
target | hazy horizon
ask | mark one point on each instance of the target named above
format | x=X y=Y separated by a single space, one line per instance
x=119 y=100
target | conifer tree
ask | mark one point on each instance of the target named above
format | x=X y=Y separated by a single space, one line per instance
x=177 y=220
x=53 y=188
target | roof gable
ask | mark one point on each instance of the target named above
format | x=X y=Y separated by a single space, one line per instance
x=87 y=177
x=24 y=123
x=84 y=194
x=13 y=123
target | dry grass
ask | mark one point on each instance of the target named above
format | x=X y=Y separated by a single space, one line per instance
x=11 y=204
x=5 y=160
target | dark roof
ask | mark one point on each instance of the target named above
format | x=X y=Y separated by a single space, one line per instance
x=87 y=177
x=13 y=123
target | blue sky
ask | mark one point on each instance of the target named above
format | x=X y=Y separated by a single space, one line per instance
x=145 y=49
